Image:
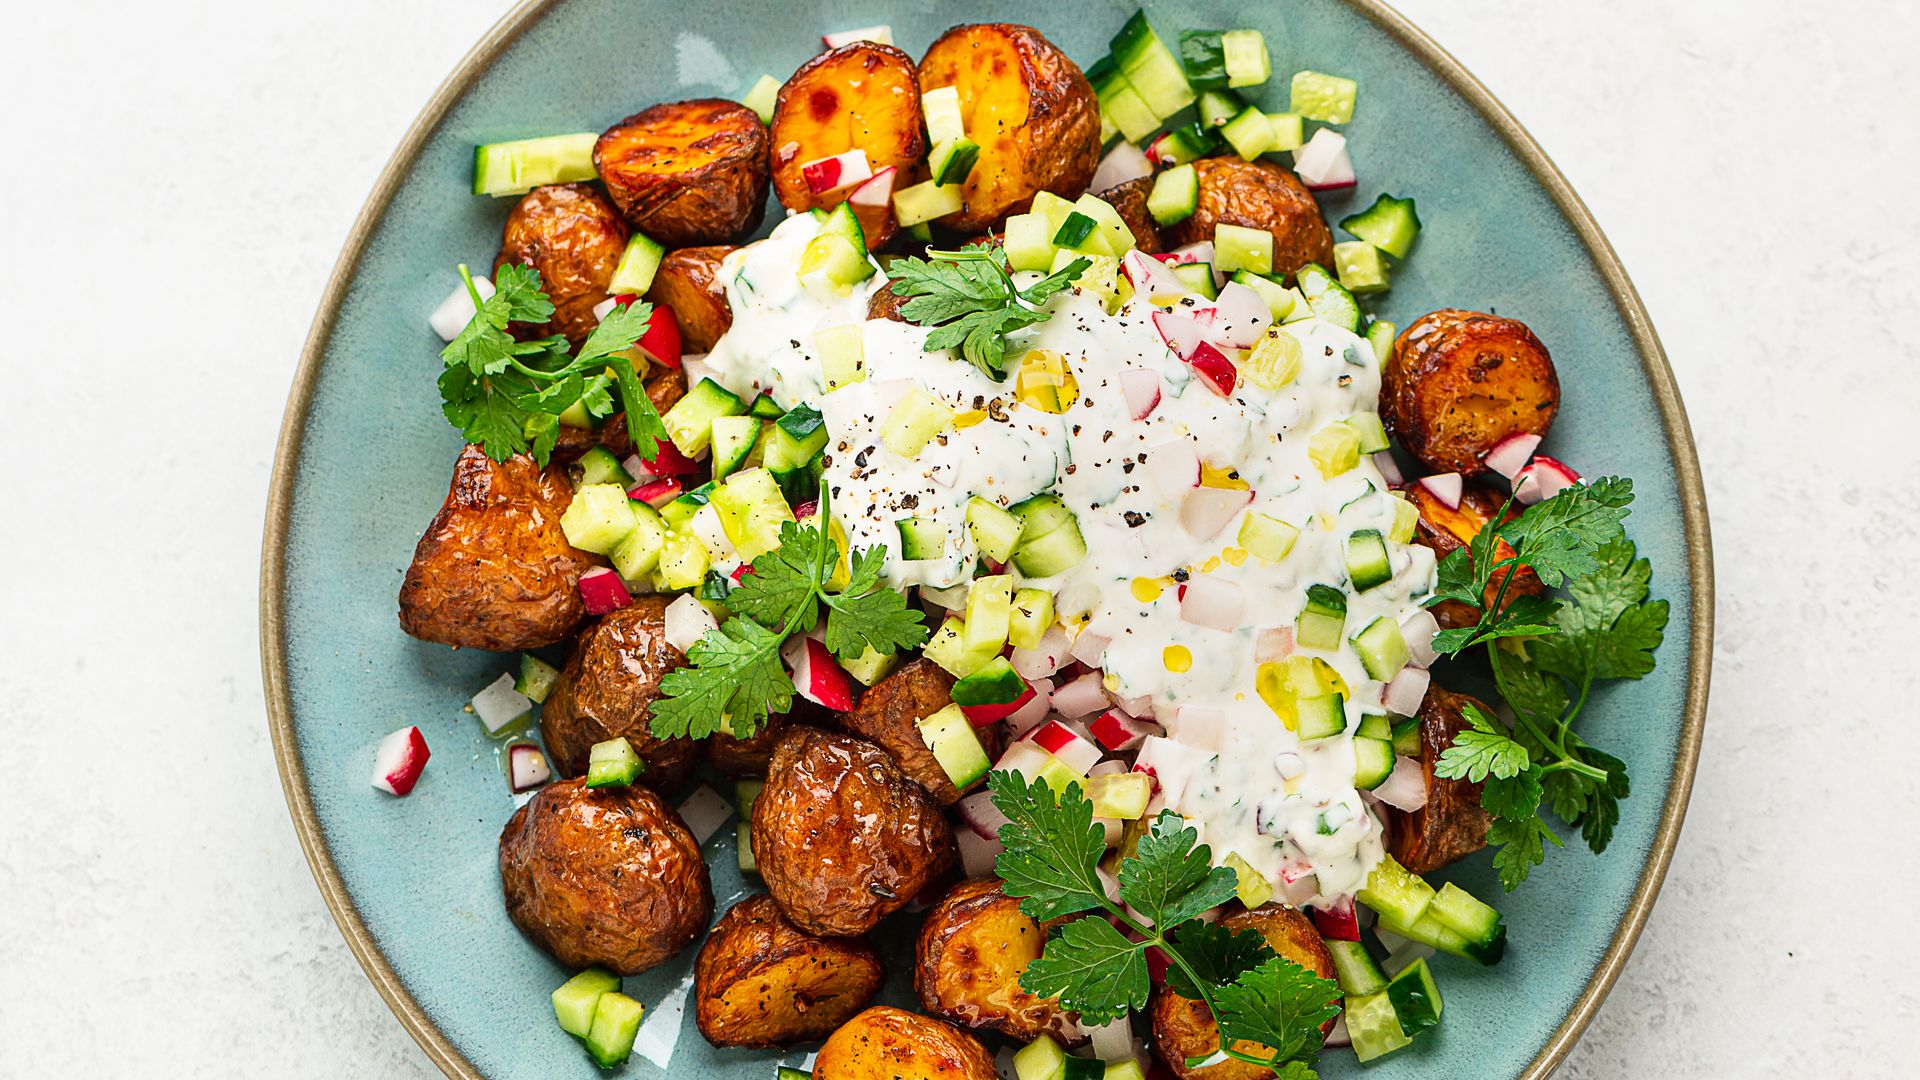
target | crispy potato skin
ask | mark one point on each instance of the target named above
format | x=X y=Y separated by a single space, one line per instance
x=885 y=1043
x=762 y=982
x=493 y=570
x=609 y=877
x=1445 y=530
x=1029 y=107
x=886 y=305
x=574 y=237
x=687 y=172
x=664 y=387
x=968 y=958
x=861 y=96
x=1453 y=824
x=688 y=281
x=749 y=756
x=1130 y=201
x=888 y=712
x=1458 y=382
x=1183 y=1028
x=842 y=837
x=1258 y=195
x=606 y=690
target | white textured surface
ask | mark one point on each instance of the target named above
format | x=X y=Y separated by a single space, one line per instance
x=180 y=177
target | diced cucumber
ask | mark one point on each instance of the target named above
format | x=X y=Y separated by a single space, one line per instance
x=955 y=745
x=1204 y=58
x=598 y=518
x=1028 y=242
x=1382 y=648
x=517 y=167
x=926 y=201
x=1216 y=107
x=1372 y=762
x=1113 y=227
x=1289 y=131
x=871 y=665
x=1478 y=924
x=1326 y=98
x=1274 y=360
x=689 y=422
x=1321 y=716
x=952 y=160
x=1368 y=566
x=638 y=263
x=948 y=648
x=682 y=507
x=787 y=1073
x=1279 y=298
x=1334 y=449
x=1052 y=207
x=752 y=508
x=1040 y=515
x=765 y=408
x=599 y=466
x=1330 y=300
x=1074 y=231
x=1375 y=726
x=1267 y=537
x=1361 y=268
x=1197 y=277
x=1415 y=997
x=1181 y=145
x=613 y=763
x=922 y=538
x=1175 y=195
x=616 y=1020
x=1356 y=969
x=996 y=683
x=1395 y=892
x=743 y=847
x=1406 y=737
x=995 y=531
x=1390 y=224
x=1124 y=1069
x=762 y=97
x=1123 y=106
x=1032 y=616
x=798 y=437
x=1043 y=552
x=1373 y=1027
x=989 y=612
x=1380 y=334
x=842 y=222
x=536 y=678
x=1041 y=1059
x=1322 y=619
x=1373 y=433
x=575 y=1000
x=1251 y=887
x=916 y=418
x=684 y=562
x=575 y=416
x=732 y=440
x=837 y=255
x=941 y=107
x=1236 y=247
x=843 y=354
x=1247 y=61
x=1250 y=134
x=639 y=553
x=1152 y=69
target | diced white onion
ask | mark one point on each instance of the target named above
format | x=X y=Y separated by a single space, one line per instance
x=1213 y=602
x=1123 y=163
x=457 y=310
x=1418 y=627
x=1407 y=690
x=499 y=704
x=1406 y=787
x=687 y=620
x=705 y=811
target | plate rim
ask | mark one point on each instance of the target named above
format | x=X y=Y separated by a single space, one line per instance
x=1653 y=361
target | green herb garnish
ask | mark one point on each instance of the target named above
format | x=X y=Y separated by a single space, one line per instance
x=1051 y=861
x=508 y=395
x=969 y=298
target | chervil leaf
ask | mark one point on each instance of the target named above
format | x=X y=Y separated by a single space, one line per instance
x=1053 y=849
x=492 y=420
x=1169 y=880
x=1454 y=580
x=1536 y=695
x=1092 y=969
x=1217 y=955
x=1607 y=633
x=1485 y=748
x=1296 y=1070
x=483 y=346
x=1558 y=537
x=1517 y=796
x=1521 y=616
x=968 y=297
x=1279 y=1005
x=735 y=679
x=1522 y=843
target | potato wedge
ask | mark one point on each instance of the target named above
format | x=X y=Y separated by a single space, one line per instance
x=885 y=1043
x=1445 y=529
x=1258 y=195
x=1030 y=109
x=1452 y=824
x=1183 y=1028
x=573 y=236
x=967 y=962
x=1130 y=201
x=760 y=981
x=687 y=172
x=688 y=281
x=1459 y=382
x=888 y=712
x=862 y=96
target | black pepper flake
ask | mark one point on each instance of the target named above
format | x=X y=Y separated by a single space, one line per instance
x=1181 y=574
x=909 y=501
x=1135 y=519
x=860 y=459
x=1108 y=437
x=1126 y=466
x=1076 y=429
x=1071 y=467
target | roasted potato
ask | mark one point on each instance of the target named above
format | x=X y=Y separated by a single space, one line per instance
x=606 y=690
x=688 y=281
x=494 y=571
x=1452 y=824
x=967 y=963
x=842 y=837
x=1183 y=1028
x=1029 y=107
x=885 y=1043
x=861 y=96
x=761 y=982
x=1258 y=195
x=606 y=876
x=1130 y=201
x=888 y=712
x=1444 y=529
x=574 y=237
x=687 y=172
x=749 y=756
x=664 y=387
x=1459 y=382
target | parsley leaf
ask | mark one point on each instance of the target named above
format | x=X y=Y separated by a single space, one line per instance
x=1169 y=880
x=866 y=614
x=736 y=675
x=1485 y=748
x=1215 y=954
x=1279 y=1005
x=1514 y=796
x=1093 y=969
x=1607 y=633
x=970 y=298
x=1053 y=849
x=1558 y=536
x=1522 y=844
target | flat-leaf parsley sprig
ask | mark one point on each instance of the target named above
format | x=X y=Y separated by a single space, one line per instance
x=1051 y=861
x=507 y=395
x=736 y=679
x=970 y=299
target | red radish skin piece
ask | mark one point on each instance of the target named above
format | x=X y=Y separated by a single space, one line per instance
x=1117 y=732
x=398 y=762
x=981 y=816
x=872 y=203
x=985 y=715
x=1338 y=922
x=1141 y=387
x=1542 y=479
x=1511 y=454
x=1083 y=696
x=1240 y=317
x=656 y=493
x=527 y=767
x=1214 y=367
x=806 y=510
x=669 y=462
x=601 y=590
x=1389 y=468
x=1446 y=487
x=1023 y=756
x=1150 y=276
x=832 y=173
x=661 y=342
x=1065 y=744
x=1182 y=333
x=1033 y=713
x=817 y=676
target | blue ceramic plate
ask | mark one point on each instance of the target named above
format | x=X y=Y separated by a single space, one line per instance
x=364 y=460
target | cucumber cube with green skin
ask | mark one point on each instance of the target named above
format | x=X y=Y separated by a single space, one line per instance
x=1052 y=553
x=599 y=466
x=517 y=167
x=765 y=408
x=752 y=508
x=1204 y=58
x=1368 y=566
x=989 y=612
x=1032 y=615
x=1395 y=892
x=1113 y=228
x=1406 y=738
x=689 y=422
x=536 y=678
x=922 y=538
x=684 y=562
x=1460 y=911
x=1380 y=334
x=1382 y=648
x=733 y=439
x=1415 y=997
x=926 y=201
x=639 y=553
x=1175 y=195
x=1040 y=515
x=762 y=98
x=1326 y=98
x=1198 y=278
x=843 y=354
x=598 y=518
x=743 y=847
x=1251 y=887
x=1246 y=58
x=1390 y=224
x=1322 y=619
x=995 y=531
x=638 y=264
x=1124 y=1069
x=948 y=649
x=952 y=160
x=1355 y=968
x=1216 y=107
x=1279 y=298
x=1079 y=1068
x=1250 y=134
x=616 y=1021
x=1041 y=1059
x=1074 y=231
x=1334 y=449
x=1289 y=131
x=1236 y=247
x=575 y=1000
x=1373 y=433
x=1362 y=270
x=994 y=684
x=1373 y=1027
x=955 y=745
x=789 y=1073
x=1028 y=242
x=1375 y=726
x=1127 y=111
x=1321 y=716
x=1372 y=762
x=1330 y=300
x=613 y=763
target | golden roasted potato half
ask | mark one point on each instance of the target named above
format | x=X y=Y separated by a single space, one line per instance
x=1444 y=529
x=1183 y=1028
x=760 y=981
x=1258 y=195
x=606 y=876
x=861 y=96
x=842 y=837
x=574 y=237
x=889 y=712
x=967 y=963
x=1029 y=108
x=688 y=281
x=493 y=570
x=687 y=172
x=1130 y=201
x=885 y=1043
x=1452 y=824
x=749 y=756
x=1459 y=382
x=606 y=690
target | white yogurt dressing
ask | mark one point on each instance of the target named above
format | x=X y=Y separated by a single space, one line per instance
x=1257 y=791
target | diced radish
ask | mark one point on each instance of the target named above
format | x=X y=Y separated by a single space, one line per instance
x=1197 y=252
x=1323 y=163
x=1150 y=276
x=1172 y=765
x=1025 y=757
x=687 y=620
x=601 y=590
x=805 y=509
x=1240 y=317
x=1083 y=696
x=1201 y=728
x=739 y=572
x=605 y=308
x=977 y=853
x=1061 y=741
x=1214 y=368
x=1123 y=163
x=1109 y=767
x=669 y=461
x=1141 y=387
x=1212 y=602
x=1090 y=648
x=655 y=493
x=982 y=715
x=1139 y=706
x=498 y=705
x=1033 y=713
x=879 y=35
x=457 y=310
x=1406 y=787
x=832 y=173
x=1205 y=511
x=1338 y=1037
x=661 y=342
x=1043 y=659
x=1157 y=964
x=1182 y=332
x=705 y=811
x=817 y=676
x=981 y=816
x=1298 y=891
x=1389 y=468
x=1446 y=487
x=1511 y=454
x=1407 y=690
x=872 y=201
x=1542 y=479
x=527 y=767
x=1275 y=643
x=1173 y=468
x=398 y=761
x=1114 y=829
x=1418 y=627
x=1112 y=1041
x=1116 y=731
x=1337 y=921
